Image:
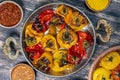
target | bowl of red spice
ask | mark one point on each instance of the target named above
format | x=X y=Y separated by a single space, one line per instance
x=11 y=14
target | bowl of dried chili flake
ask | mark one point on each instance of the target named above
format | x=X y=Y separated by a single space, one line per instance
x=11 y=14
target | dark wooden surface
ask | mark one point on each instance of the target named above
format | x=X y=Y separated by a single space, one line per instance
x=111 y=14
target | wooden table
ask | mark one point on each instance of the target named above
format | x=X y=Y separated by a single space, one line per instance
x=111 y=14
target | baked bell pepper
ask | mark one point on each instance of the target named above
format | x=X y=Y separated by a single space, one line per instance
x=41 y=23
x=76 y=21
x=74 y=56
x=57 y=66
x=31 y=36
x=34 y=51
x=49 y=43
x=110 y=61
x=44 y=62
x=56 y=24
x=60 y=61
x=63 y=10
x=66 y=39
x=101 y=74
x=77 y=51
x=60 y=54
x=84 y=39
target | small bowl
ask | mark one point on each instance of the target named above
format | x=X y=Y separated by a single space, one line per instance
x=11 y=25
x=88 y=5
x=97 y=60
x=25 y=69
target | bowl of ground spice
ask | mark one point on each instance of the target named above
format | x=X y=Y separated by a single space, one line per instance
x=22 y=72
x=97 y=5
x=11 y=14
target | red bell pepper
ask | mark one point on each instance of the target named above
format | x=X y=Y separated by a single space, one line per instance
x=84 y=39
x=37 y=51
x=77 y=51
x=42 y=21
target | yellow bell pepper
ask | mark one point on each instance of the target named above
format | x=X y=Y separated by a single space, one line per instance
x=110 y=61
x=36 y=34
x=57 y=67
x=31 y=36
x=76 y=21
x=63 y=10
x=52 y=30
x=66 y=39
x=46 y=55
x=61 y=54
x=101 y=74
x=49 y=43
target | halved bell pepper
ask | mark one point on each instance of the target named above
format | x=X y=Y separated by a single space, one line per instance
x=32 y=37
x=57 y=66
x=84 y=39
x=77 y=51
x=76 y=21
x=44 y=62
x=66 y=39
x=41 y=23
x=60 y=61
x=74 y=55
x=34 y=51
x=49 y=43
x=63 y=10
x=60 y=54
x=110 y=61
x=56 y=24
x=101 y=74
